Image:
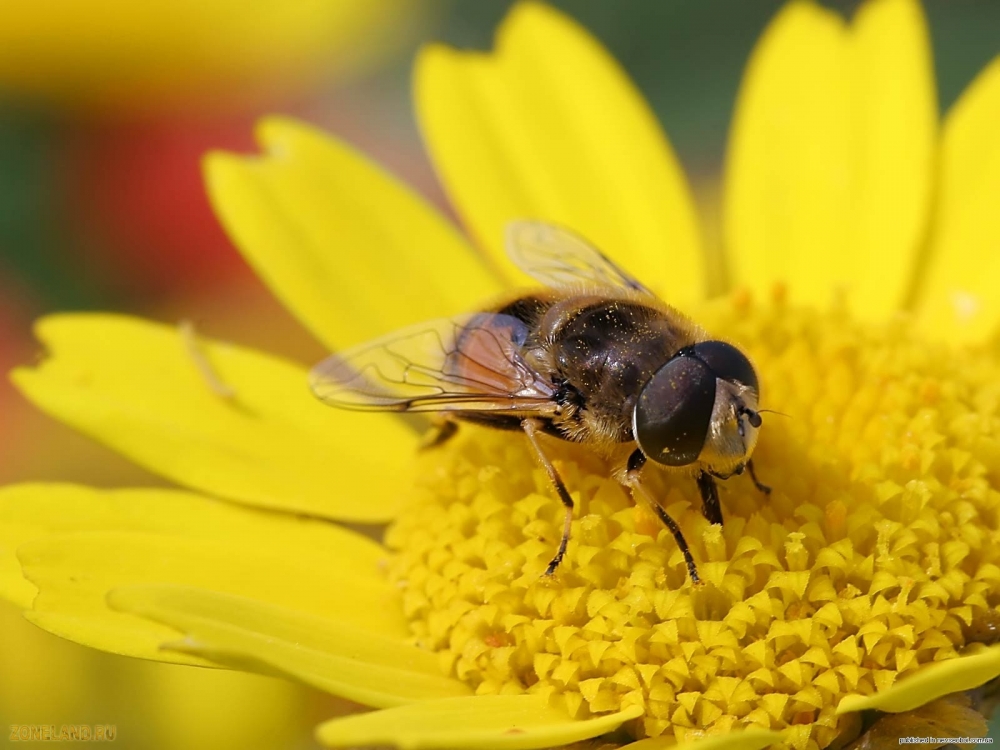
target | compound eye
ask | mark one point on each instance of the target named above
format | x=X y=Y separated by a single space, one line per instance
x=673 y=412
x=727 y=362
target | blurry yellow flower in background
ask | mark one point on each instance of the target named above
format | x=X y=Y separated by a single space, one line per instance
x=876 y=557
x=60 y=683
x=153 y=56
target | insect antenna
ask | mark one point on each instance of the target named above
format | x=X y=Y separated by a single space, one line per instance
x=772 y=411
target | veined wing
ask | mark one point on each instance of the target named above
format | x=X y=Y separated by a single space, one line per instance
x=468 y=363
x=556 y=257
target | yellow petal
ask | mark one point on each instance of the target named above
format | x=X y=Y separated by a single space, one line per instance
x=131 y=537
x=930 y=683
x=75 y=572
x=550 y=127
x=896 y=103
x=482 y=722
x=359 y=665
x=32 y=511
x=748 y=739
x=959 y=297
x=830 y=163
x=787 y=180
x=135 y=386
x=350 y=251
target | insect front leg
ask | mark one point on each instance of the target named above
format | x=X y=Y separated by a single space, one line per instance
x=753 y=475
x=632 y=480
x=531 y=429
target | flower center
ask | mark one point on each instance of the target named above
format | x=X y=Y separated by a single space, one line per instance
x=876 y=553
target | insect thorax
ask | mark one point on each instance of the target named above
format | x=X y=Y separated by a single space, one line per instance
x=602 y=352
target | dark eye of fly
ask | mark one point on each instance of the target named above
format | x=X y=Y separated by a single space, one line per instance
x=725 y=360
x=673 y=412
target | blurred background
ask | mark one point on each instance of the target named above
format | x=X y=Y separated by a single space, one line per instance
x=105 y=109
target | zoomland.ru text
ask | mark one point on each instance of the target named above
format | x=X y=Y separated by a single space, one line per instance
x=63 y=733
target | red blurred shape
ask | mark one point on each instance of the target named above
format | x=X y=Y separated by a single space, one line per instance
x=137 y=197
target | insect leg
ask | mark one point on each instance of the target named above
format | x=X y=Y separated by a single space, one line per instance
x=710 y=505
x=633 y=481
x=531 y=429
x=189 y=338
x=753 y=475
x=439 y=434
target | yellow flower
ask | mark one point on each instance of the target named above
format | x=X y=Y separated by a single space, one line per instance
x=869 y=579
x=155 y=55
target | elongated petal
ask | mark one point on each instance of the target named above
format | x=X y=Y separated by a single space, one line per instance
x=897 y=126
x=136 y=386
x=75 y=544
x=349 y=250
x=73 y=574
x=749 y=739
x=830 y=162
x=360 y=665
x=34 y=511
x=549 y=127
x=484 y=722
x=959 y=297
x=932 y=682
x=788 y=174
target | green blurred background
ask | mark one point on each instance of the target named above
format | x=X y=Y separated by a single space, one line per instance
x=104 y=113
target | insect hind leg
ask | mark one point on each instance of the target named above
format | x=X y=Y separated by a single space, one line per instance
x=193 y=348
x=531 y=429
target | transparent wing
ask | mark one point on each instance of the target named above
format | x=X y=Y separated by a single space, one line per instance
x=468 y=363
x=556 y=257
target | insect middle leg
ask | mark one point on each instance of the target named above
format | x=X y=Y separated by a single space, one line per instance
x=439 y=434
x=531 y=429
x=633 y=481
x=710 y=505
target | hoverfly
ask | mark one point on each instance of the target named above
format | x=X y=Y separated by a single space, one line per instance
x=593 y=358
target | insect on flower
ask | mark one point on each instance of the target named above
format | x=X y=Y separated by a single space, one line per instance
x=594 y=358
